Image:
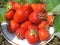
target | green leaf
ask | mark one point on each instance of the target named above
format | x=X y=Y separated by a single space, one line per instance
x=51 y=4
x=2 y=12
x=57 y=34
x=17 y=0
x=43 y=1
x=57 y=23
x=20 y=1
x=6 y=0
x=56 y=10
x=32 y=1
x=27 y=1
x=1 y=1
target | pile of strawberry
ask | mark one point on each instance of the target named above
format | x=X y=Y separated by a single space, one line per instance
x=29 y=21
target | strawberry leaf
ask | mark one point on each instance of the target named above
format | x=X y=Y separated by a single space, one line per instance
x=52 y=4
x=32 y=1
x=20 y=1
x=17 y=0
x=2 y=12
x=57 y=23
x=57 y=26
x=56 y=10
x=57 y=34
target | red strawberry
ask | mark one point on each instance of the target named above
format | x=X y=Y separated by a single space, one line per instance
x=12 y=26
x=50 y=20
x=20 y=16
x=36 y=17
x=31 y=36
x=27 y=8
x=20 y=32
x=42 y=25
x=9 y=15
x=38 y=7
x=33 y=27
x=43 y=34
x=25 y=25
x=16 y=6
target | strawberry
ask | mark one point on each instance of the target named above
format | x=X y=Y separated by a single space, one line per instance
x=27 y=8
x=25 y=25
x=50 y=20
x=38 y=7
x=9 y=15
x=43 y=34
x=12 y=26
x=20 y=32
x=42 y=25
x=33 y=27
x=16 y=6
x=20 y=16
x=31 y=36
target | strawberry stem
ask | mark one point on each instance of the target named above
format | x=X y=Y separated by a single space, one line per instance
x=41 y=16
x=8 y=6
x=32 y=32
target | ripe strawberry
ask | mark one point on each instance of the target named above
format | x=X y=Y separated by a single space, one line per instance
x=50 y=19
x=34 y=7
x=42 y=25
x=31 y=36
x=20 y=16
x=12 y=26
x=33 y=27
x=43 y=34
x=38 y=7
x=27 y=7
x=36 y=17
x=25 y=25
x=20 y=32
x=41 y=7
x=9 y=15
x=16 y=6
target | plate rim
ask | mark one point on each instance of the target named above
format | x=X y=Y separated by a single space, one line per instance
x=8 y=39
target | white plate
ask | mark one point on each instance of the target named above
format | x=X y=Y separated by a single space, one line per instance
x=11 y=38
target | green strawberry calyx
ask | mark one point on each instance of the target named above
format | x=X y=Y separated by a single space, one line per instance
x=32 y=32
